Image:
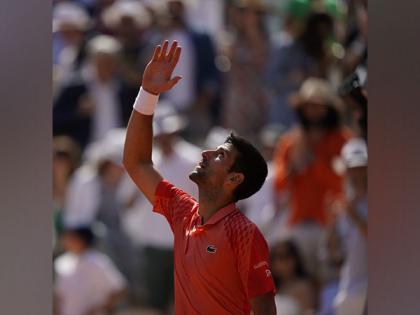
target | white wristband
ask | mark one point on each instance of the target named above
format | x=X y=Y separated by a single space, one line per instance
x=145 y=102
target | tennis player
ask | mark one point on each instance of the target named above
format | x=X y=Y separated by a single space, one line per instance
x=221 y=258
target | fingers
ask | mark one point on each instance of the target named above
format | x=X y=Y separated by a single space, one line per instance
x=175 y=57
x=164 y=49
x=156 y=53
x=172 y=51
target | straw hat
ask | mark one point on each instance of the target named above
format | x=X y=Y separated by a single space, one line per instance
x=318 y=91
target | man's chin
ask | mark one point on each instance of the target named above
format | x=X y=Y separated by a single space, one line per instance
x=196 y=176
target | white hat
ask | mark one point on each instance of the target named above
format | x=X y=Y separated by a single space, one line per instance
x=104 y=44
x=110 y=148
x=126 y=8
x=354 y=153
x=166 y=120
x=70 y=15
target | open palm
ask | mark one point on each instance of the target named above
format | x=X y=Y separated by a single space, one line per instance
x=158 y=72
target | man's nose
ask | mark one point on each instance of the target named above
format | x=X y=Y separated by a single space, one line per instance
x=205 y=154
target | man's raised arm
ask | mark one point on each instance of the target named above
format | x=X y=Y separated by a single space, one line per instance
x=138 y=142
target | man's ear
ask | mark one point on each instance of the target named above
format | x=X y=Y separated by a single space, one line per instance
x=236 y=178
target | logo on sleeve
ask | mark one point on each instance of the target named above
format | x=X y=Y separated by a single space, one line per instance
x=261 y=264
x=211 y=249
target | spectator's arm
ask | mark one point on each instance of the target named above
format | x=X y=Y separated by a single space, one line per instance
x=138 y=143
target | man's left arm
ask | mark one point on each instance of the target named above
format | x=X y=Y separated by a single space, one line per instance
x=261 y=288
x=263 y=304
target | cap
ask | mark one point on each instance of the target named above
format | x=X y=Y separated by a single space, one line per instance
x=354 y=153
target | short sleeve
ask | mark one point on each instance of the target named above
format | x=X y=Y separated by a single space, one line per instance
x=173 y=203
x=260 y=280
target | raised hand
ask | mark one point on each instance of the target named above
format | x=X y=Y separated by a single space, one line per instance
x=158 y=72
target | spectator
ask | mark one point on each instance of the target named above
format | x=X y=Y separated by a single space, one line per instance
x=87 y=283
x=97 y=100
x=357 y=37
x=304 y=162
x=295 y=292
x=66 y=158
x=70 y=24
x=352 y=296
x=129 y=21
x=98 y=193
x=244 y=103
x=175 y=159
x=300 y=53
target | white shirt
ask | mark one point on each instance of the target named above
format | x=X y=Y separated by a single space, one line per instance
x=151 y=229
x=82 y=197
x=107 y=113
x=184 y=93
x=85 y=281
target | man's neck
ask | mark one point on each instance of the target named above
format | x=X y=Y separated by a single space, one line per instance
x=211 y=201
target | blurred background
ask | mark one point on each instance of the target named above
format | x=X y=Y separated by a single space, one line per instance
x=289 y=75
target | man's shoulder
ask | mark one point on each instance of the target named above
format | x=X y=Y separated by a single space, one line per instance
x=167 y=189
x=243 y=234
x=239 y=226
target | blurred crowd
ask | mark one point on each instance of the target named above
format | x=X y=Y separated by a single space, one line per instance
x=289 y=75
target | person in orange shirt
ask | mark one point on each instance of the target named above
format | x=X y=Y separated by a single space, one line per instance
x=221 y=258
x=306 y=163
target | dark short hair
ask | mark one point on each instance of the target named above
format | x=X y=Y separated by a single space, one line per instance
x=250 y=163
x=293 y=252
x=84 y=233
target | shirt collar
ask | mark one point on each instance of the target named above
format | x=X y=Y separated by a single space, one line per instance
x=220 y=214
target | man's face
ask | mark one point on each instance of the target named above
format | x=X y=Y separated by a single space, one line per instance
x=214 y=168
x=72 y=243
x=314 y=112
x=106 y=66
